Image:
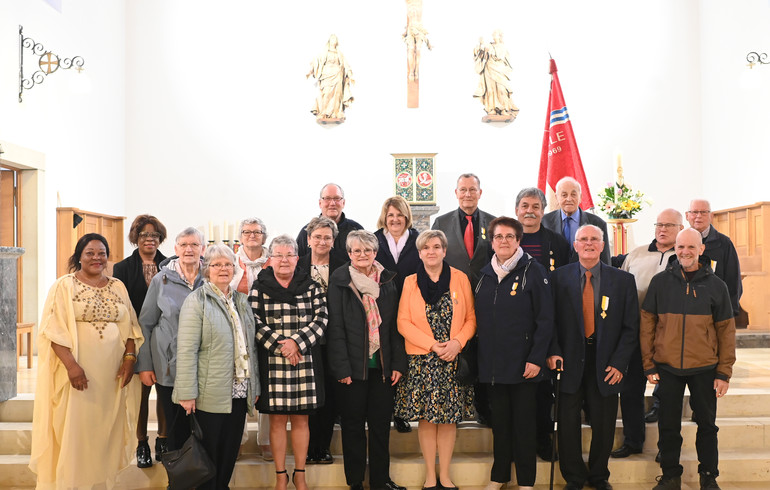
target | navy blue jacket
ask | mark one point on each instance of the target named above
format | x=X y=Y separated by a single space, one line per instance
x=407 y=261
x=514 y=321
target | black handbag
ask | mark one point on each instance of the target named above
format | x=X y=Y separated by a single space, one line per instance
x=467 y=370
x=191 y=465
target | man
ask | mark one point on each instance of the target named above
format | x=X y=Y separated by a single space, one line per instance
x=469 y=248
x=688 y=339
x=332 y=202
x=569 y=217
x=597 y=329
x=643 y=263
x=551 y=250
x=719 y=249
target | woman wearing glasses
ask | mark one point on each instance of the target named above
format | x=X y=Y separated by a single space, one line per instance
x=217 y=374
x=136 y=271
x=514 y=312
x=367 y=358
x=290 y=313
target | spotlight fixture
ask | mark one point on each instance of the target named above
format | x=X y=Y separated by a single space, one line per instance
x=48 y=63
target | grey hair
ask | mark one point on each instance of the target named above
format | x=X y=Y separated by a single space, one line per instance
x=470 y=176
x=321 y=194
x=571 y=180
x=531 y=192
x=214 y=252
x=283 y=240
x=364 y=237
x=593 y=227
x=254 y=221
x=428 y=235
x=189 y=231
x=321 y=222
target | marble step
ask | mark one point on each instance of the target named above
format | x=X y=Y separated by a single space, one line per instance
x=468 y=470
x=734 y=433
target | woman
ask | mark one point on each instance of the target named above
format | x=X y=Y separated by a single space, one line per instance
x=436 y=318
x=290 y=313
x=88 y=334
x=514 y=311
x=367 y=358
x=334 y=80
x=178 y=277
x=397 y=252
x=136 y=271
x=251 y=259
x=217 y=375
x=320 y=264
x=494 y=69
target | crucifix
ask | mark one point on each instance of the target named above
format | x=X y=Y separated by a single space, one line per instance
x=414 y=36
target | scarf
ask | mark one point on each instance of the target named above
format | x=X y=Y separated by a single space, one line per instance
x=505 y=268
x=369 y=288
x=250 y=268
x=240 y=353
x=268 y=284
x=176 y=266
x=432 y=291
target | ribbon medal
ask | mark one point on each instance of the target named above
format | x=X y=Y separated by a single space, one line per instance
x=605 y=305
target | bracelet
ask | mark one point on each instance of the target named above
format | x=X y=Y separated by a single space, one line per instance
x=129 y=355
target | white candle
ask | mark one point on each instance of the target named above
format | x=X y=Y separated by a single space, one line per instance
x=211 y=231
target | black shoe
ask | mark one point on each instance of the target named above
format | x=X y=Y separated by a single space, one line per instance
x=324 y=457
x=388 y=485
x=573 y=486
x=357 y=486
x=668 y=483
x=312 y=457
x=651 y=416
x=657 y=457
x=402 y=425
x=708 y=481
x=601 y=485
x=624 y=451
x=161 y=448
x=143 y=455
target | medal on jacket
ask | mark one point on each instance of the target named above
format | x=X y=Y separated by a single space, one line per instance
x=552 y=263
x=605 y=305
x=454 y=298
x=483 y=233
x=514 y=288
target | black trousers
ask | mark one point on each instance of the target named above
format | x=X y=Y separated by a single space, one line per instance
x=321 y=422
x=604 y=411
x=222 y=439
x=545 y=399
x=703 y=399
x=514 y=431
x=632 y=402
x=366 y=403
x=176 y=418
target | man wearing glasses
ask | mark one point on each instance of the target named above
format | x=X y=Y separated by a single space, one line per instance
x=643 y=263
x=331 y=202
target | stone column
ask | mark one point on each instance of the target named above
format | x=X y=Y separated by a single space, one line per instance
x=8 y=287
x=421 y=216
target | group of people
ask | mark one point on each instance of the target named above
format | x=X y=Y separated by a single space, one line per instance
x=366 y=327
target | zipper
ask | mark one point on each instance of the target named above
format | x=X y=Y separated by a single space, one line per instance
x=494 y=322
x=684 y=320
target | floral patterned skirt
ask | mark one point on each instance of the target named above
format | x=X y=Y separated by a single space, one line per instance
x=430 y=392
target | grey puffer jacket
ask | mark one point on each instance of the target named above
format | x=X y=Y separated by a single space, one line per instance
x=160 y=322
x=205 y=349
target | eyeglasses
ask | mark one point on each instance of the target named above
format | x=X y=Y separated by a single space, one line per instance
x=281 y=258
x=465 y=190
x=254 y=233
x=702 y=213
x=149 y=234
x=591 y=239
x=334 y=198
x=358 y=252
x=665 y=225
x=326 y=238
x=222 y=266
x=510 y=237
x=188 y=245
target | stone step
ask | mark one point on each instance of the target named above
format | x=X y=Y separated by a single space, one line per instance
x=468 y=470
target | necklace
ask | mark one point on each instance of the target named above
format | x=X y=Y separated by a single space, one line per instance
x=90 y=282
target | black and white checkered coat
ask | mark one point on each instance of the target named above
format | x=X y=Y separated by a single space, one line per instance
x=290 y=388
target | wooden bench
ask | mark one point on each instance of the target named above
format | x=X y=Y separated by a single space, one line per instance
x=21 y=329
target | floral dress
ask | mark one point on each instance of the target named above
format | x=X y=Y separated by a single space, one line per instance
x=430 y=391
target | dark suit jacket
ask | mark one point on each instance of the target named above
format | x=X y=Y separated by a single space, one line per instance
x=456 y=256
x=129 y=271
x=617 y=335
x=554 y=246
x=553 y=222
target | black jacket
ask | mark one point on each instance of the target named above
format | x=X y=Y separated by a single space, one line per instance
x=514 y=321
x=339 y=250
x=304 y=263
x=554 y=247
x=408 y=260
x=129 y=271
x=725 y=264
x=347 y=333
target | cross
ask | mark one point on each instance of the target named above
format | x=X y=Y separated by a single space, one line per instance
x=50 y=63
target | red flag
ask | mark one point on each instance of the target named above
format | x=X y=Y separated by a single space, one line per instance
x=560 y=157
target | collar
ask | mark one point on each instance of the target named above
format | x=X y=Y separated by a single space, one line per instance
x=596 y=271
x=654 y=247
x=463 y=214
x=575 y=215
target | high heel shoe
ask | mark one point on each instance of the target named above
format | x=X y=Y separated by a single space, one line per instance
x=294 y=473
x=283 y=472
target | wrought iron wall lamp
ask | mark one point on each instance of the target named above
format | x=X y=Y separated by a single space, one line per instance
x=753 y=58
x=47 y=63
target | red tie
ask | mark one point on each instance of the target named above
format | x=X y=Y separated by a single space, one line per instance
x=588 y=306
x=468 y=238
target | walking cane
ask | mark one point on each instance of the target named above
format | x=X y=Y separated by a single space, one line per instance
x=555 y=418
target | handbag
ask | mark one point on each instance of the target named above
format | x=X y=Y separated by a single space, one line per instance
x=467 y=369
x=191 y=465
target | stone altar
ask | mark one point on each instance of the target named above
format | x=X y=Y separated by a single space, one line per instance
x=8 y=319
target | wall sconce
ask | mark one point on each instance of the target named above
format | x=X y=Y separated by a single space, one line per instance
x=753 y=58
x=48 y=63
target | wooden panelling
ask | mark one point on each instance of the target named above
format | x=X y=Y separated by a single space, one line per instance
x=111 y=227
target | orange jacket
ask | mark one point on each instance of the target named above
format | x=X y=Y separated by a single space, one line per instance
x=413 y=323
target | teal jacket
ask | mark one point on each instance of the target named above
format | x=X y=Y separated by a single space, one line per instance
x=204 y=361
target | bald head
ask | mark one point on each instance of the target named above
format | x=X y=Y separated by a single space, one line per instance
x=699 y=214
x=666 y=228
x=689 y=247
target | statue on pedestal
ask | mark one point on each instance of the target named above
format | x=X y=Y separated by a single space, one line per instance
x=334 y=78
x=494 y=89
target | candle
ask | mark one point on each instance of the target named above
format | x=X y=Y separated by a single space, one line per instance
x=211 y=231
x=224 y=230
